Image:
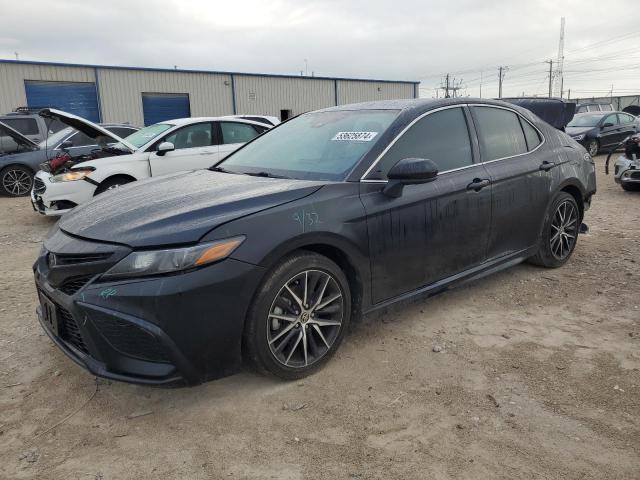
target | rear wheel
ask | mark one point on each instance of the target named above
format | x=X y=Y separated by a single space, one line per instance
x=16 y=181
x=299 y=316
x=593 y=147
x=559 y=233
x=112 y=183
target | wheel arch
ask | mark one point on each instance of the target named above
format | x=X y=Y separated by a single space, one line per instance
x=573 y=189
x=17 y=164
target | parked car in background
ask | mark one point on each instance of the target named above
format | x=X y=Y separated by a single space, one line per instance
x=272 y=252
x=17 y=168
x=27 y=122
x=597 y=131
x=627 y=166
x=167 y=147
x=266 y=119
x=594 y=107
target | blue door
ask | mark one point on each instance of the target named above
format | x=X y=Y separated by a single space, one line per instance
x=158 y=107
x=79 y=98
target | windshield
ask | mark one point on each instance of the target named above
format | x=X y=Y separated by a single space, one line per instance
x=585 y=120
x=314 y=146
x=55 y=139
x=144 y=135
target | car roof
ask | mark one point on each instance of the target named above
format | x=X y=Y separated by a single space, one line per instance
x=418 y=104
x=187 y=121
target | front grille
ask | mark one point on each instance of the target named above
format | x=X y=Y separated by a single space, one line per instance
x=68 y=329
x=56 y=259
x=635 y=175
x=130 y=339
x=38 y=186
x=73 y=284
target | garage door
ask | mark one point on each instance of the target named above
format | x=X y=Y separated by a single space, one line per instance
x=158 y=107
x=74 y=97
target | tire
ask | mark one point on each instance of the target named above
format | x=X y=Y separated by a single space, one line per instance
x=16 y=181
x=559 y=232
x=112 y=183
x=630 y=187
x=284 y=339
x=593 y=147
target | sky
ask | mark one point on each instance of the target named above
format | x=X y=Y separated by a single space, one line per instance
x=396 y=40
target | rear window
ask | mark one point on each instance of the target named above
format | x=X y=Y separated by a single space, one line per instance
x=500 y=133
x=26 y=126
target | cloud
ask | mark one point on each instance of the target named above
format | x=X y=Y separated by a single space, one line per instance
x=406 y=40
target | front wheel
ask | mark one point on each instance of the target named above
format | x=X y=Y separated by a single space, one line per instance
x=299 y=316
x=559 y=233
x=112 y=183
x=16 y=181
x=593 y=147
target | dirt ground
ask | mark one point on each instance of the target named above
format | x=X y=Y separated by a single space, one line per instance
x=538 y=377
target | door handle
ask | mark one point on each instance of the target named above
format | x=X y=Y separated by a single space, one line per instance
x=546 y=166
x=478 y=184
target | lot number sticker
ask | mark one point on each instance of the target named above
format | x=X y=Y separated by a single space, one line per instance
x=354 y=136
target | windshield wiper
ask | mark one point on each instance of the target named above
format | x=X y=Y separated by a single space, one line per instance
x=222 y=170
x=264 y=174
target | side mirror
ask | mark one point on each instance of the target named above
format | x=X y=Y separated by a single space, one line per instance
x=409 y=171
x=66 y=144
x=165 y=147
x=608 y=124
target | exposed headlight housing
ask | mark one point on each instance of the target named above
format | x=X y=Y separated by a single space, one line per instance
x=578 y=137
x=72 y=175
x=154 y=262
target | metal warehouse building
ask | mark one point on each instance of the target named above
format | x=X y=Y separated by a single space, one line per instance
x=143 y=96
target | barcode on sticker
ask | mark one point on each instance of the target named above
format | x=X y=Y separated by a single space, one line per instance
x=354 y=136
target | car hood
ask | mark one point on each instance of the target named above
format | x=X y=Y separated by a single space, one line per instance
x=90 y=129
x=178 y=208
x=7 y=131
x=578 y=130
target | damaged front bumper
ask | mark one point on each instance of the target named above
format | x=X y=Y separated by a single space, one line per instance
x=627 y=170
x=56 y=198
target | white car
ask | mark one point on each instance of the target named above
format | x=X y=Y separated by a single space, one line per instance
x=166 y=147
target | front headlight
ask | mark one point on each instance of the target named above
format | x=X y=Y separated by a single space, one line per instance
x=72 y=175
x=153 y=262
x=578 y=137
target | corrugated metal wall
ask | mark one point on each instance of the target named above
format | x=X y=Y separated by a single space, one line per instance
x=121 y=92
x=353 y=91
x=211 y=94
x=269 y=95
x=12 y=77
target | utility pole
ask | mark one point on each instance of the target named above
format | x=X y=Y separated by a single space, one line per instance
x=446 y=94
x=558 y=77
x=569 y=95
x=501 y=72
x=550 y=62
x=481 y=83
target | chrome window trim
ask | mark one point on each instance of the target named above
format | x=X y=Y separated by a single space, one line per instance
x=458 y=105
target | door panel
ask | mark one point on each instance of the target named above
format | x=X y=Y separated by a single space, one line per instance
x=431 y=232
x=195 y=149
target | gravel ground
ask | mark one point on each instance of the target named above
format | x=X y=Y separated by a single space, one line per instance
x=538 y=376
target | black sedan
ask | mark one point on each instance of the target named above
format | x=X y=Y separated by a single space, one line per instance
x=269 y=255
x=599 y=130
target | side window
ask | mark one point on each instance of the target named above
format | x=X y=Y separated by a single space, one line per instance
x=122 y=132
x=581 y=109
x=593 y=108
x=233 y=132
x=531 y=135
x=191 y=136
x=500 y=133
x=442 y=137
x=26 y=126
x=79 y=139
x=612 y=119
x=625 y=119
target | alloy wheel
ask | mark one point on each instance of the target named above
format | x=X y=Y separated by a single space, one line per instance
x=305 y=319
x=593 y=148
x=16 y=182
x=564 y=230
